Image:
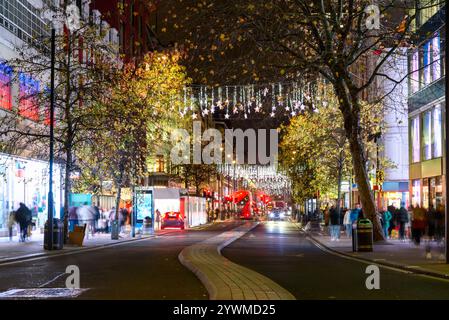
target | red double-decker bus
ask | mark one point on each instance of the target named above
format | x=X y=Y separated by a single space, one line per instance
x=243 y=200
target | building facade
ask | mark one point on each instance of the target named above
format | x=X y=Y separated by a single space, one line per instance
x=426 y=104
x=392 y=175
x=23 y=177
x=136 y=22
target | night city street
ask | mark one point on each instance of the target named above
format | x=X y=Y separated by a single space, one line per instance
x=218 y=159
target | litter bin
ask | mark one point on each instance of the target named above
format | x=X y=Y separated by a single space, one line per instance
x=364 y=235
x=115 y=230
x=147 y=226
x=58 y=235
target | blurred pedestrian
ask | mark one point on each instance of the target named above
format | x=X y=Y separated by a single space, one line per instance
x=403 y=219
x=111 y=218
x=11 y=224
x=86 y=215
x=347 y=223
x=334 y=219
x=73 y=218
x=418 y=224
x=386 y=218
x=355 y=213
x=97 y=214
x=431 y=227
x=124 y=213
x=158 y=219
x=23 y=217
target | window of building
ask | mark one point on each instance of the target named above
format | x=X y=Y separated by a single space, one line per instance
x=425 y=193
x=22 y=19
x=437 y=139
x=436 y=58
x=432 y=133
x=435 y=192
x=427 y=135
x=414 y=77
x=415 y=139
x=426 y=53
x=416 y=192
x=426 y=64
x=5 y=86
x=428 y=8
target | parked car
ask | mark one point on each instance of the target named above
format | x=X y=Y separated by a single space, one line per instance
x=172 y=220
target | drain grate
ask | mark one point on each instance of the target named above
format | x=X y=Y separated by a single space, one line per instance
x=42 y=293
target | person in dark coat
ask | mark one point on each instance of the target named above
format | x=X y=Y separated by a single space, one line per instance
x=402 y=220
x=23 y=217
x=334 y=220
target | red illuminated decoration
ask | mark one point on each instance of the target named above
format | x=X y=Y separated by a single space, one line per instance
x=28 y=89
x=5 y=86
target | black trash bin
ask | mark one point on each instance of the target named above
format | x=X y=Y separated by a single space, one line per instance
x=364 y=235
x=58 y=235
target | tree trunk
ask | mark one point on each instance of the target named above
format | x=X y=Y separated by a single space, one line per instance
x=117 y=201
x=350 y=108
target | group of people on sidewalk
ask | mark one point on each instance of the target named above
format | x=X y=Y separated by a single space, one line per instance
x=97 y=219
x=416 y=222
x=334 y=220
x=400 y=223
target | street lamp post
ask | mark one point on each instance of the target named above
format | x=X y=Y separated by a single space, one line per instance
x=52 y=140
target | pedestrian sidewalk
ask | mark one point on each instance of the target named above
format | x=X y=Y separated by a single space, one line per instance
x=393 y=253
x=14 y=250
x=225 y=280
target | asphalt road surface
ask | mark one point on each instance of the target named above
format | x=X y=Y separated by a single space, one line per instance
x=279 y=251
x=147 y=269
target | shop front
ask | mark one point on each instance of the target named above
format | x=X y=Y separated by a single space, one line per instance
x=427 y=184
x=26 y=180
x=395 y=194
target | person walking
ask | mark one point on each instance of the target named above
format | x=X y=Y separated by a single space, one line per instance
x=386 y=218
x=158 y=219
x=418 y=224
x=402 y=220
x=11 y=224
x=334 y=220
x=73 y=218
x=431 y=228
x=347 y=223
x=86 y=214
x=97 y=215
x=23 y=217
x=111 y=219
